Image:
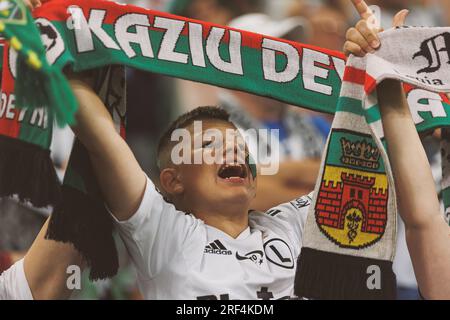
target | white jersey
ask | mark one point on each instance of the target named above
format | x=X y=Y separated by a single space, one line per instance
x=178 y=256
x=13 y=283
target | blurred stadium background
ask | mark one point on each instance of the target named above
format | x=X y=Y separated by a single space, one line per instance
x=324 y=23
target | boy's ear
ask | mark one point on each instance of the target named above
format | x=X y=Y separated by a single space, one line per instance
x=170 y=182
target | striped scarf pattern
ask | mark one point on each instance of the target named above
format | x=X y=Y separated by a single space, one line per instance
x=351 y=225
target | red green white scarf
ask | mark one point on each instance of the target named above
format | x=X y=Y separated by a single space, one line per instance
x=351 y=226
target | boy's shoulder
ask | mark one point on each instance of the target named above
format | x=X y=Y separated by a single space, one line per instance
x=297 y=206
x=302 y=202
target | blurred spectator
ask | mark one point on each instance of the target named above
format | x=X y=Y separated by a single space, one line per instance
x=220 y=11
x=159 y=5
x=444 y=7
x=328 y=23
x=19 y=226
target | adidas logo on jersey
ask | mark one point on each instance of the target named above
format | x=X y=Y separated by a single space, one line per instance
x=216 y=247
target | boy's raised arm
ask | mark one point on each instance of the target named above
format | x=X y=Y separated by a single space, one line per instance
x=45 y=267
x=121 y=179
x=427 y=234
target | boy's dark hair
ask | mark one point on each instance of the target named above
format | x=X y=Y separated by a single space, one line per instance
x=186 y=119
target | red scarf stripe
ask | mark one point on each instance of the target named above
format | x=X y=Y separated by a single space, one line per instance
x=355 y=76
x=8 y=127
x=370 y=84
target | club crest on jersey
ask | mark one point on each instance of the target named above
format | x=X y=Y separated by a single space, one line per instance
x=351 y=207
x=254 y=256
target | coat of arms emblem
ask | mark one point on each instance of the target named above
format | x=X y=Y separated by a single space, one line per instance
x=351 y=207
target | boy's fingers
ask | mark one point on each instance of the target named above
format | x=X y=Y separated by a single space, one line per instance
x=368 y=33
x=353 y=48
x=354 y=35
x=400 y=18
x=362 y=8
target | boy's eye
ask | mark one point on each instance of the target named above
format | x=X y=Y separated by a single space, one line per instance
x=207 y=144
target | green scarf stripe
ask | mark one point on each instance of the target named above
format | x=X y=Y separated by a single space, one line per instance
x=351 y=105
x=372 y=114
x=335 y=157
x=429 y=122
x=446 y=197
x=37 y=131
x=38 y=83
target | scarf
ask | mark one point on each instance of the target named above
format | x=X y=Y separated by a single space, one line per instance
x=351 y=224
x=36 y=78
x=88 y=35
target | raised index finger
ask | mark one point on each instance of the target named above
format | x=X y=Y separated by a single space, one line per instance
x=363 y=9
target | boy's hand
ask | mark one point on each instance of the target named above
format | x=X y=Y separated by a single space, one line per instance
x=363 y=38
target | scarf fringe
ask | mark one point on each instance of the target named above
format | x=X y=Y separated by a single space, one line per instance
x=88 y=226
x=331 y=276
x=26 y=170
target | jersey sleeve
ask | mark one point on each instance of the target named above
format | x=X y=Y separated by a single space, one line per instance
x=14 y=284
x=155 y=233
x=292 y=215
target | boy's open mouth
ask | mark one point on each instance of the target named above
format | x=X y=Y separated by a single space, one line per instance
x=233 y=171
